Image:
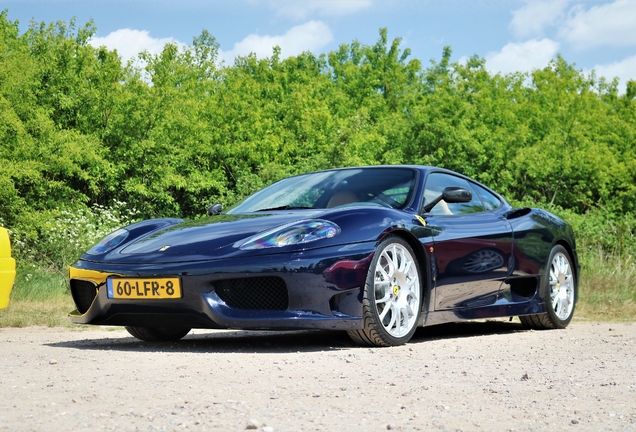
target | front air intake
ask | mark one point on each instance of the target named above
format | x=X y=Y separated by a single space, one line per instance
x=269 y=293
x=83 y=292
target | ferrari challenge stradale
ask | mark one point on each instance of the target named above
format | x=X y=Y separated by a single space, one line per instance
x=376 y=251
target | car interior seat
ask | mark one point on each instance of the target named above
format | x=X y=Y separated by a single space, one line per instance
x=341 y=198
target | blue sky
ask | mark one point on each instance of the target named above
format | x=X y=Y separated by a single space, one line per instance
x=513 y=35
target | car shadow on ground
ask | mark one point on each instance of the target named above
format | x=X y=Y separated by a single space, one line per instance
x=466 y=329
x=281 y=341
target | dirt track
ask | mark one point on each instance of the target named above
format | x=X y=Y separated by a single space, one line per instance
x=473 y=376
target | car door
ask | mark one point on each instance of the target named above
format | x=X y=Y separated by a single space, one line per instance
x=472 y=246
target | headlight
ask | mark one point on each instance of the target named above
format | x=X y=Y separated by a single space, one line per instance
x=294 y=233
x=110 y=242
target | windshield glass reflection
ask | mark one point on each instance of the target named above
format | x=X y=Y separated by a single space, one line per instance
x=388 y=187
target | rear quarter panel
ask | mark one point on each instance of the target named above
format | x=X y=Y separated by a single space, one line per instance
x=535 y=234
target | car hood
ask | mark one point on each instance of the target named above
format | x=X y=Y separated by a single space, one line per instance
x=205 y=236
x=159 y=241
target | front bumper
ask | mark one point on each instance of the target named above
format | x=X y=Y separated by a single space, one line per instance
x=323 y=290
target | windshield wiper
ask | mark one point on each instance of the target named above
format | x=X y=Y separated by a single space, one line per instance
x=285 y=207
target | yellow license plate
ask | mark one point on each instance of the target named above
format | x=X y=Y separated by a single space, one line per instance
x=143 y=288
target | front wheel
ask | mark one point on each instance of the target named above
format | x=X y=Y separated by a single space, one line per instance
x=559 y=291
x=392 y=299
x=158 y=334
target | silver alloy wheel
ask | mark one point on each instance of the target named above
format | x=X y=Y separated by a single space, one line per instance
x=561 y=286
x=396 y=287
x=558 y=291
x=483 y=261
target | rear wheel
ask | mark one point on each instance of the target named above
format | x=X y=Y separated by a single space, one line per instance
x=158 y=334
x=392 y=299
x=559 y=291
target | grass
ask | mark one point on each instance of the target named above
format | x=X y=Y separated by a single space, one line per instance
x=607 y=287
x=38 y=298
x=607 y=292
x=25 y=313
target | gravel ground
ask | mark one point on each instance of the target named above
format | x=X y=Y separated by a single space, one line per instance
x=471 y=376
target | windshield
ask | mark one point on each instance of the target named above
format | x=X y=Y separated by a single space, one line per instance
x=389 y=187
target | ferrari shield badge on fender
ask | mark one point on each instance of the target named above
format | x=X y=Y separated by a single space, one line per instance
x=164 y=248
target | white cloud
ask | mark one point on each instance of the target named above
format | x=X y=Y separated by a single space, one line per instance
x=531 y=19
x=311 y=36
x=624 y=70
x=611 y=24
x=522 y=57
x=129 y=43
x=302 y=9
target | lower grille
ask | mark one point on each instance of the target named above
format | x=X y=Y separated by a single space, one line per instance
x=268 y=293
x=83 y=292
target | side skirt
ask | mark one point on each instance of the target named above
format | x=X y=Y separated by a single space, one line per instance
x=493 y=311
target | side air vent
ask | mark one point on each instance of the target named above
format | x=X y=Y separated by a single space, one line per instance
x=83 y=293
x=269 y=293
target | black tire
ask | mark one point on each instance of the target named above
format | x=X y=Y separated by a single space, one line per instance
x=158 y=334
x=559 y=290
x=391 y=308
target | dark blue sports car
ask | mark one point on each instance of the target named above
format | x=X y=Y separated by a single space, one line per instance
x=375 y=251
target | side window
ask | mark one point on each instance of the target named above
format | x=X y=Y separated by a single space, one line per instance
x=490 y=201
x=435 y=185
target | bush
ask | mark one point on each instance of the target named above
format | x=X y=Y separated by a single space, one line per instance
x=56 y=239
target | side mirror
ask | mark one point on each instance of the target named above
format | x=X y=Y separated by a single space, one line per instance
x=454 y=194
x=215 y=209
x=451 y=195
